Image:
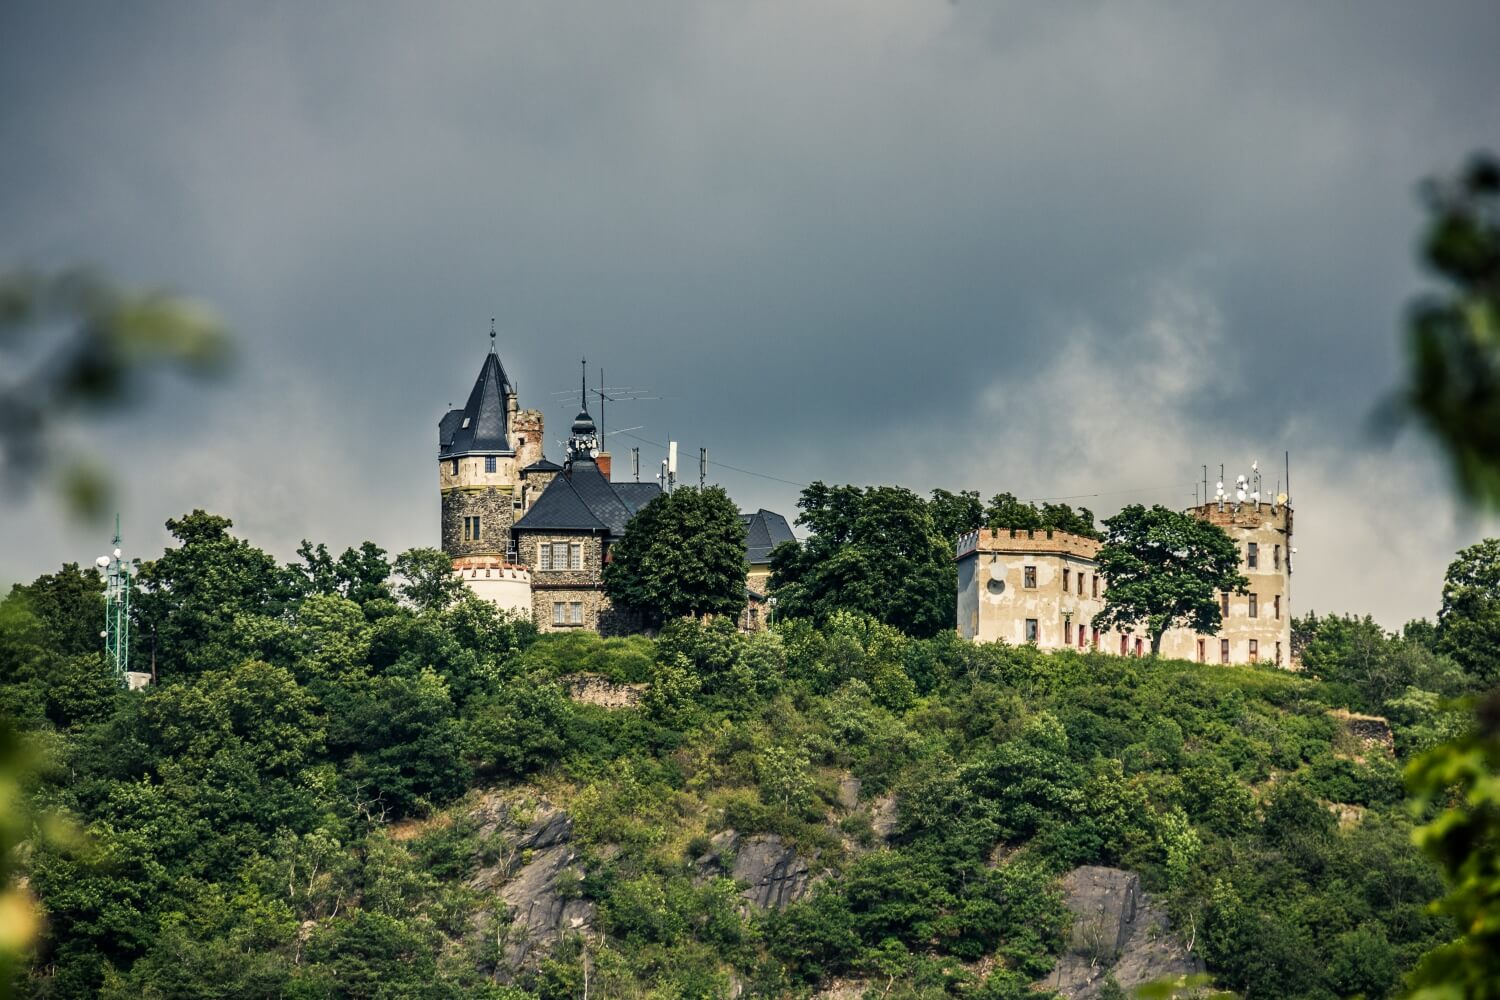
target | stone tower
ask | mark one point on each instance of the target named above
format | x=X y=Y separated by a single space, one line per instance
x=482 y=449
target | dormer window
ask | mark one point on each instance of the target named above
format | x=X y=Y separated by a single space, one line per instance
x=466 y=424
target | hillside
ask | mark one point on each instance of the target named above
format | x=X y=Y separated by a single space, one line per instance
x=335 y=798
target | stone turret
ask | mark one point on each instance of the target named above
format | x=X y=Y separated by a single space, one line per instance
x=482 y=449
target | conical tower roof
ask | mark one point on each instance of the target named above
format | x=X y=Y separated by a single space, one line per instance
x=482 y=426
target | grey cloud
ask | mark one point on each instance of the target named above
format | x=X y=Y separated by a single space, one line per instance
x=835 y=236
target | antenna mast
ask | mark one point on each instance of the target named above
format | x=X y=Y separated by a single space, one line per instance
x=116 y=634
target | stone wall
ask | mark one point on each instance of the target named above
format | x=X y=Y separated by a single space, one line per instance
x=495 y=508
x=526 y=436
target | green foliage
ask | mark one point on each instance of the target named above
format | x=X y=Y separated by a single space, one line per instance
x=428 y=582
x=1468 y=625
x=1458 y=784
x=1005 y=512
x=303 y=806
x=683 y=554
x=955 y=514
x=1165 y=569
x=1453 y=338
x=876 y=551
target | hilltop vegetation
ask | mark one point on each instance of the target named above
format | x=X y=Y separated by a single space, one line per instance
x=299 y=808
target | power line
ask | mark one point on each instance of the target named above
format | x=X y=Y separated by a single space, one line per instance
x=722 y=465
x=1107 y=493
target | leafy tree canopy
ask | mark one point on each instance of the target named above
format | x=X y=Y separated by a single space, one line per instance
x=874 y=550
x=1163 y=569
x=1005 y=512
x=428 y=582
x=682 y=554
x=1468 y=625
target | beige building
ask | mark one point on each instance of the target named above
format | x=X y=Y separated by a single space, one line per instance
x=1043 y=587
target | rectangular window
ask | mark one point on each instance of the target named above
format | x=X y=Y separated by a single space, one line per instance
x=1223 y=650
x=559 y=613
x=1031 y=630
x=1028 y=577
x=1095 y=581
x=1124 y=644
x=1202 y=650
x=489 y=463
x=1138 y=646
x=1080 y=583
x=1066 y=581
x=575 y=556
x=1252 y=555
x=1276 y=559
x=576 y=609
x=1276 y=606
x=1080 y=637
x=1278 y=652
x=1067 y=633
x=1224 y=605
x=1254 y=651
x=453 y=468
x=1096 y=638
x=544 y=556
x=560 y=555
x=1254 y=606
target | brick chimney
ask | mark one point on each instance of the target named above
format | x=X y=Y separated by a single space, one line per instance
x=603 y=461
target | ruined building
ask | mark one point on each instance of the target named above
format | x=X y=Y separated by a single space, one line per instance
x=1043 y=587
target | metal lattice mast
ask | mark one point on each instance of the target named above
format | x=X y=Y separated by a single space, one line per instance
x=116 y=608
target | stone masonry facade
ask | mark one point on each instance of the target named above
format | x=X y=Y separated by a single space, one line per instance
x=495 y=508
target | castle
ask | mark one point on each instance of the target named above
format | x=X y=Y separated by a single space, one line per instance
x=1043 y=587
x=533 y=537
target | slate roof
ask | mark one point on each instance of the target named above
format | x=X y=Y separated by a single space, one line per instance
x=480 y=428
x=637 y=495
x=581 y=499
x=543 y=464
x=764 y=530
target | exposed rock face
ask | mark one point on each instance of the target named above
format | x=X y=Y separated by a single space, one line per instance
x=772 y=870
x=1119 y=930
x=883 y=817
x=1369 y=734
x=848 y=793
x=592 y=689
x=536 y=864
x=776 y=875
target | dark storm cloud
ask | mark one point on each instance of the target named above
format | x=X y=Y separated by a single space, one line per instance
x=935 y=243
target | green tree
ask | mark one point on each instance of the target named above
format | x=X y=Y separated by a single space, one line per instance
x=682 y=554
x=955 y=514
x=1453 y=337
x=191 y=595
x=1468 y=625
x=358 y=574
x=874 y=550
x=1163 y=569
x=428 y=582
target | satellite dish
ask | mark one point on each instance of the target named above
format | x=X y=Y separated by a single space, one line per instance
x=1281 y=498
x=1220 y=486
x=1255 y=466
x=1239 y=495
x=102 y=561
x=117 y=553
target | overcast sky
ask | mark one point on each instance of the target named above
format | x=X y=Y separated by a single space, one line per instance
x=1057 y=249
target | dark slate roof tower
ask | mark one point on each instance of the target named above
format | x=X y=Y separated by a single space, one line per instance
x=481 y=450
x=482 y=427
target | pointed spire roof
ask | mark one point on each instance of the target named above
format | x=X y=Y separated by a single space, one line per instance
x=482 y=426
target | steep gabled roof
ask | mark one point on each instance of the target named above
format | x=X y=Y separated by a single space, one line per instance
x=637 y=495
x=764 y=530
x=581 y=499
x=559 y=508
x=543 y=464
x=596 y=491
x=480 y=428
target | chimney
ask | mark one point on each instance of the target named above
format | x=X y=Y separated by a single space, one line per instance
x=603 y=461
